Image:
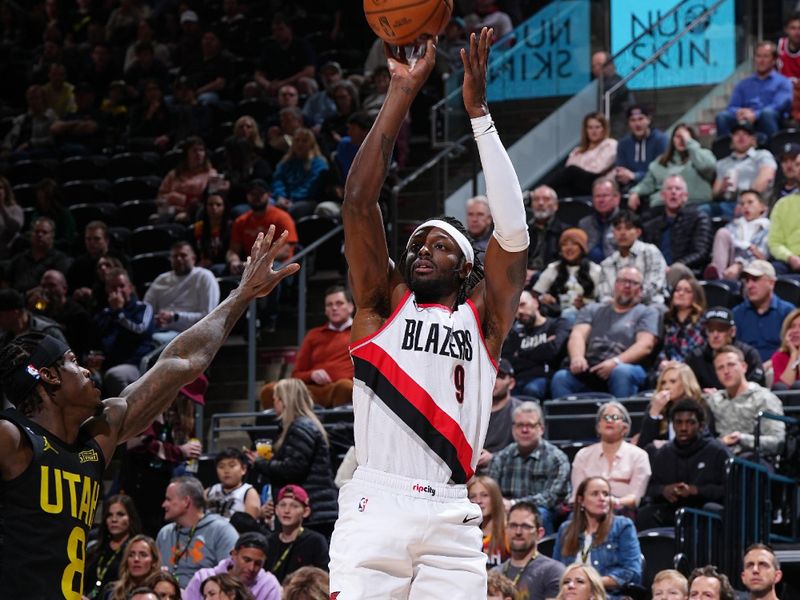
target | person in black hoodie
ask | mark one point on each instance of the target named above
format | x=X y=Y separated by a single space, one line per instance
x=688 y=471
x=302 y=455
x=534 y=347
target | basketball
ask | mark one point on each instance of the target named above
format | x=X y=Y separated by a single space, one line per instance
x=400 y=22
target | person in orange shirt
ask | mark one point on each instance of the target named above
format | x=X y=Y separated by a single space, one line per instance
x=244 y=232
x=323 y=361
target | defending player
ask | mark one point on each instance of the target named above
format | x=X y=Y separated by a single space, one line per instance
x=56 y=445
x=427 y=335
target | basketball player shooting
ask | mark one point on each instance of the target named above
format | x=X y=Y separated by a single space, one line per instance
x=56 y=444
x=426 y=338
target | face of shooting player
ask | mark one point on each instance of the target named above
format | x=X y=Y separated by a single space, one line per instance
x=435 y=265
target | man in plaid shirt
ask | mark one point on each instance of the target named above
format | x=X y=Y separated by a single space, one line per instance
x=531 y=468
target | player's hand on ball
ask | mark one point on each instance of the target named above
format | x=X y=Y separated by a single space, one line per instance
x=259 y=278
x=414 y=72
x=476 y=62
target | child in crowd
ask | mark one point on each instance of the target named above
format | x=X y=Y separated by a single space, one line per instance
x=294 y=546
x=232 y=494
x=742 y=240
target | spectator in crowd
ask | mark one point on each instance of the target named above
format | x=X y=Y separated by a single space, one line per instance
x=191 y=117
x=334 y=128
x=761 y=572
x=675 y=382
x=245 y=564
x=762 y=100
x=593 y=157
x=720 y=330
x=760 y=316
x=182 y=188
x=188 y=47
x=233 y=27
x=243 y=163
x=544 y=229
x=209 y=76
x=581 y=582
x=297 y=182
x=787 y=181
x=603 y=69
x=140 y=560
x=231 y=494
x=125 y=334
x=479 y=223
x=531 y=468
x=59 y=94
x=707 y=583
x=683 y=322
x=624 y=465
x=500 y=587
x=181 y=297
x=321 y=105
x=609 y=342
x=101 y=68
x=48 y=204
x=491 y=15
x=145 y=67
x=786 y=360
x=571 y=282
x=192 y=539
x=670 y=583
x=596 y=536
x=124 y=19
x=641 y=146
x=11 y=217
x=306 y=583
x=84 y=129
x=279 y=137
x=30 y=136
x=25 y=269
x=212 y=233
x=146 y=33
x=15 y=319
x=50 y=299
x=150 y=126
x=688 y=471
x=605 y=202
x=783 y=239
x=682 y=233
x=535 y=346
x=285 y=59
x=82 y=274
x=745 y=168
x=119 y=523
x=684 y=157
x=788 y=62
x=323 y=362
x=294 y=546
x=741 y=241
x=633 y=252
x=737 y=405
x=535 y=576
x=165 y=586
x=224 y=587
x=484 y=491
x=358 y=126
x=499 y=433
x=245 y=127
x=302 y=455
x=380 y=84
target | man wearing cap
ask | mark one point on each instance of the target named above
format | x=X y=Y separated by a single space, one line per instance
x=62 y=436
x=294 y=546
x=760 y=316
x=544 y=229
x=638 y=149
x=189 y=47
x=762 y=99
x=246 y=564
x=788 y=181
x=783 y=238
x=499 y=434
x=182 y=296
x=535 y=346
x=720 y=330
x=321 y=105
x=746 y=167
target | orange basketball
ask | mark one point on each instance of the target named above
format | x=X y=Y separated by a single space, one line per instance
x=400 y=22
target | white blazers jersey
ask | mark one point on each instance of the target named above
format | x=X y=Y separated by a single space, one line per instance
x=422 y=393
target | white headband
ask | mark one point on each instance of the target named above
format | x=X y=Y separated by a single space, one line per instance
x=458 y=237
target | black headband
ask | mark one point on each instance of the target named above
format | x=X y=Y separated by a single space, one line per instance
x=26 y=377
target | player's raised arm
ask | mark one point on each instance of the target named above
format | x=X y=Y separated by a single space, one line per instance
x=506 y=255
x=365 y=247
x=189 y=354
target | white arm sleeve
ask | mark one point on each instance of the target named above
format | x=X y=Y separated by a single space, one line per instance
x=502 y=187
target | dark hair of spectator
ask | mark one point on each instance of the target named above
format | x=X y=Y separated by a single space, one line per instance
x=48 y=199
x=627 y=217
x=770 y=45
x=118 y=272
x=360 y=119
x=231 y=452
x=166 y=576
x=599 y=117
x=134 y=522
x=698 y=301
x=16 y=355
x=776 y=564
x=729 y=348
x=339 y=289
x=579 y=522
x=559 y=285
x=725 y=589
x=188 y=144
x=688 y=405
x=793 y=16
x=92 y=225
x=666 y=157
x=180 y=244
x=233 y=588
x=204 y=244
x=531 y=508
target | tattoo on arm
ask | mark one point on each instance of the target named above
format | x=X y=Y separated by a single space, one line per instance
x=386 y=151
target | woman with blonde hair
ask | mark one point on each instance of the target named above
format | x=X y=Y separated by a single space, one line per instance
x=298 y=179
x=786 y=360
x=581 y=582
x=301 y=452
x=596 y=536
x=140 y=561
x=11 y=217
x=247 y=128
x=484 y=491
x=683 y=322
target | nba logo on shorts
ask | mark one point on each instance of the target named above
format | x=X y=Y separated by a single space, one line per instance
x=362 y=504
